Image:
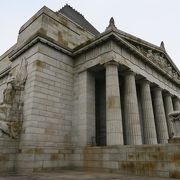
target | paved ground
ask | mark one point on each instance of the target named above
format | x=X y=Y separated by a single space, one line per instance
x=75 y=175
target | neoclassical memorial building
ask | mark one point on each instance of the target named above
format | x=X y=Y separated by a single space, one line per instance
x=72 y=97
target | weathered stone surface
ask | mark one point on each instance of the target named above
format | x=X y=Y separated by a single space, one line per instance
x=148 y=121
x=160 y=117
x=114 y=128
x=168 y=105
x=86 y=123
x=69 y=94
x=131 y=113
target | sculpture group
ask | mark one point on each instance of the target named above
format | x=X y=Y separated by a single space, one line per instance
x=161 y=61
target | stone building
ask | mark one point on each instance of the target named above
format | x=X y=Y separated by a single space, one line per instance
x=72 y=97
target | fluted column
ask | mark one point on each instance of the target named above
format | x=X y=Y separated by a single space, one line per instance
x=131 y=113
x=148 y=122
x=176 y=104
x=86 y=107
x=160 y=117
x=168 y=105
x=114 y=130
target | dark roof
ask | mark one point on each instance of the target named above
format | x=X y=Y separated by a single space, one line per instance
x=75 y=16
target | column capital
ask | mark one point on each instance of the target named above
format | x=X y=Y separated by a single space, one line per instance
x=175 y=97
x=144 y=80
x=129 y=71
x=167 y=93
x=156 y=88
x=112 y=62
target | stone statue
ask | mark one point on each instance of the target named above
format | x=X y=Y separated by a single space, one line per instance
x=175 y=75
x=169 y=69
x=156 y=57
x=9 y=92
x=162 y=61
x=11 y=107
x=141 y=49
x=175 y=117
x=150 y=54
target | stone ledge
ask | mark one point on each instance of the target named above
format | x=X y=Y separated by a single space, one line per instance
x=175 y=140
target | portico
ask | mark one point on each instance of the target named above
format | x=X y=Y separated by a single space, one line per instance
x=131 y=103
x=119 y=118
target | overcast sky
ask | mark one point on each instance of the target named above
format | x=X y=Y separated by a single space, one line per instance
x=151 y=20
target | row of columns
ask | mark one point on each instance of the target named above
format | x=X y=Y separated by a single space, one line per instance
x=153 y=124
x=157 y=127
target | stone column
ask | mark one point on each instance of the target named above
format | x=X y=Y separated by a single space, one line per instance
x=176 y=104
x=86 y=119
x=131 y=112
x=168 y=105
x=148 y=122
x=160 y=117
x=114 y=130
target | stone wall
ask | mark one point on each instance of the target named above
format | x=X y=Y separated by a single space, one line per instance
x=47 y=110
x=141 y=160
x=47 y=113
x=8 y=152
x=54 y=26
x=59 y=112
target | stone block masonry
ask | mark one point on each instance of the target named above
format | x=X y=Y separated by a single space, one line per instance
x=87 y=100
x=8 y=152
x=48 y=113
x=141 y=160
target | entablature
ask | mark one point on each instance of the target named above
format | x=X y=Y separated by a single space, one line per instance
x=158 y=60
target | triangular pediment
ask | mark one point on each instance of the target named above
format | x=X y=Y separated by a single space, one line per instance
x=157 y=56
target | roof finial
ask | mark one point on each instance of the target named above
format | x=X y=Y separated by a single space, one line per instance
x=111 y=24
x=162 y=45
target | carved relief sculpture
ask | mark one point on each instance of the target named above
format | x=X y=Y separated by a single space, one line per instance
x=162 y=62
x=150 y=54
x=175 y=117
x=11 y=107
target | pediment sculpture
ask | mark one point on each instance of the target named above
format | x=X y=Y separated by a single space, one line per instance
x=162 y=62
x=11 y=107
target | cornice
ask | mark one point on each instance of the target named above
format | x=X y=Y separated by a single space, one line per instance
x=5 y=71
x=38 y=37
x=139 y=41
